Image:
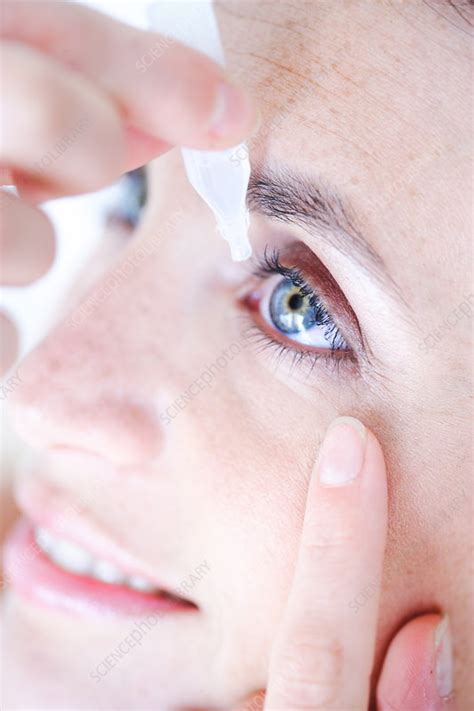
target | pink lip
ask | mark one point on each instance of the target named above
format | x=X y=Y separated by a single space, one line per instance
x=39 y=580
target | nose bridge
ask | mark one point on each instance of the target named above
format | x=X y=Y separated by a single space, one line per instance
x=95 y=382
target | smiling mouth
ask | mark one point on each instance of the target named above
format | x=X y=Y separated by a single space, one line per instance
x=52 y=571
x=59 y=557
x=77 y=560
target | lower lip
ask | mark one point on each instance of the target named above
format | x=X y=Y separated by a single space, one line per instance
x=38 y=579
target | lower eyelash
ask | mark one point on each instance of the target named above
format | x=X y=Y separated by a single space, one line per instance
x=299 y=358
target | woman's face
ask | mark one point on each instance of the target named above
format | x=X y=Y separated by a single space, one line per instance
x=180 y=406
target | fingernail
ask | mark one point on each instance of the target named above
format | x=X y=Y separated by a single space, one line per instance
x=444 y=659
x=233 y=109
x=342 y=453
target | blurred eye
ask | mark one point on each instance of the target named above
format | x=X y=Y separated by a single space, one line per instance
x=131 y=198
x=291 y=307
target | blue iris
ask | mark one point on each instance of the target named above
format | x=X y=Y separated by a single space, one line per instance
x=291 y=310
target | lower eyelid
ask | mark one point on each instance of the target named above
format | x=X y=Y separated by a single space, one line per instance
x=296 y=345
x=304 y=365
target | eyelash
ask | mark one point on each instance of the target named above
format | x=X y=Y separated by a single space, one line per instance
x=269 y=264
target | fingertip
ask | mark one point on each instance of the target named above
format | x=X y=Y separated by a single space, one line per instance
x=233 y=117
x=187 y=100
x=417 y=671
x=142 y=148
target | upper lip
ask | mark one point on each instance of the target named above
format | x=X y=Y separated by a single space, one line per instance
x=47 y=508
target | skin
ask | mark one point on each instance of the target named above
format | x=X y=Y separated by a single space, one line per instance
x=379 y=115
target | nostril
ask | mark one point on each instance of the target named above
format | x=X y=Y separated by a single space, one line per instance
x=77 y=391
x=120 y=430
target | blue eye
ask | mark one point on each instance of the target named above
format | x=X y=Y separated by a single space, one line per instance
x=132 y=197
x=290 y=310
x=293 y=311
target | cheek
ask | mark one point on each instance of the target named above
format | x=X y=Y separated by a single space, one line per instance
x=255 y=483
x=251 y=464
x=253 y=441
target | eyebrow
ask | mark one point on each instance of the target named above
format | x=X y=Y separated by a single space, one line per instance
x=294 y=198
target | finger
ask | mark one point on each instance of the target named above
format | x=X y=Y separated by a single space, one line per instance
x=141 y=147
x=26 y=241
x=323 y=654
x=418 y=668
x=8 y=343
x=58 y=130
x=179 y=96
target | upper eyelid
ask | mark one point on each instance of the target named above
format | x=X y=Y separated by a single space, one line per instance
x=295 y=199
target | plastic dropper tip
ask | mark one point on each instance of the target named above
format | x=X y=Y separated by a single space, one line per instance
x=236 y=236
x=240 y=252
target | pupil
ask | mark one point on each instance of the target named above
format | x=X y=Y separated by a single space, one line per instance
x=295 y=302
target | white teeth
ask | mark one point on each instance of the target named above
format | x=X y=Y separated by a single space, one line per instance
x=138 y=583
x=107 y=572
x=71 y=557
x=43 y=538
x=75 y=559
x=65 y=554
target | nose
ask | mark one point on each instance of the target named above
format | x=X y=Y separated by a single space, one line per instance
x=90 y=386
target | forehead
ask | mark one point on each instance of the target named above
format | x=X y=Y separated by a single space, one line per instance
x=357 y=73
x=365 y=94
x=345 y=53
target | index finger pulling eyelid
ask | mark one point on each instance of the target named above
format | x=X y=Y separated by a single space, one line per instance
x=162 y=88
x=324 y=650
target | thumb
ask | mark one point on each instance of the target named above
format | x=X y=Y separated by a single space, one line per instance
x=418 y=669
